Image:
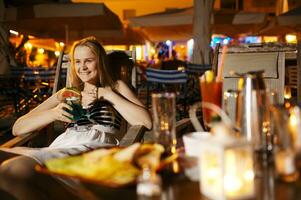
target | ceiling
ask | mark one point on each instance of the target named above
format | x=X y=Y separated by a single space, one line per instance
x=9 y=3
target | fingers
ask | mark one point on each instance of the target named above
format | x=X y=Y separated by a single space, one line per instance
x=65 y=118
x=61 y=113
x=59 y=96
x=67 y=114
x=64 y=114
x=65 y=105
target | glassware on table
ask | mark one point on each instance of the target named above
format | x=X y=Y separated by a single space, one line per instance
x=235 y=104
x=211 y=92
x=214 y=108
x=164 y=118
x=149 y=185
x=287 y=141
x=249 y=107
x=272 y=99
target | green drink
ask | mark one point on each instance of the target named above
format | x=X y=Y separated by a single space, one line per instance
x=77 y=109
x=73 y=98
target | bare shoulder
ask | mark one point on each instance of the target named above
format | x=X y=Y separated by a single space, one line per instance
x=125 y=91
x=122 y=87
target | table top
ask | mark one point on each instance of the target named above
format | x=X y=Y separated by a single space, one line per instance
x=177 y=186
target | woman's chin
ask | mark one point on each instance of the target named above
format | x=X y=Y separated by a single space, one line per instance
x=86 y=79
x=90 y=81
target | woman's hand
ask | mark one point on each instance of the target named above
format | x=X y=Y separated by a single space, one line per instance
x=59 y=96
x=59 y=113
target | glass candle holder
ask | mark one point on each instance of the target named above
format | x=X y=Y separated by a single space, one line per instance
x=164 y=118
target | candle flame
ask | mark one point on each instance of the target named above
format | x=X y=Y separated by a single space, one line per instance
x=249 y=175
x=232 y=184
x=293 y=120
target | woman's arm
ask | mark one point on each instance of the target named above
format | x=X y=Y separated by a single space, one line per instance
x=50 y=110
x=128 y=105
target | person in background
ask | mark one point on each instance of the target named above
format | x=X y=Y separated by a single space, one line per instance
x=92 y=76
x=174 y=63
x=121 y=66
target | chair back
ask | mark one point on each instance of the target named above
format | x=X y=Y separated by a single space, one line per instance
x=291 y=73
x=58 y=72
x=168 y=81
x=166 y=76
x=197 y=69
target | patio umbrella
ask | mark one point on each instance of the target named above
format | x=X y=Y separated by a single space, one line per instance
x=65 y=21
x=291 y=18
x=288 y=22
x=176 y=24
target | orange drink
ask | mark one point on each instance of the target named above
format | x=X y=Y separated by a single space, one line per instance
x=211 y=92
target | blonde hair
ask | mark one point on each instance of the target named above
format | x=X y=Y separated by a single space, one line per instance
x=104 y=72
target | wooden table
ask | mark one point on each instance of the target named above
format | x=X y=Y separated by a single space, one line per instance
x=179 y=187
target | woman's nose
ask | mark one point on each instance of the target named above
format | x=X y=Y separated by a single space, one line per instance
x=83 y=66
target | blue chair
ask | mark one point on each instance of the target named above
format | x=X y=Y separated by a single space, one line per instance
x=197 y=69
x=168 y=81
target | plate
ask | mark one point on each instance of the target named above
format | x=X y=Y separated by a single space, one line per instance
x=112 y=167
x=43 y=169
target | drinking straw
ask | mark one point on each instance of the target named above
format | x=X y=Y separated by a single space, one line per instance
x=215 y=59
x=220 y=69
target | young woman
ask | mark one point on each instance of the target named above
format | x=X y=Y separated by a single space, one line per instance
x=105 y=102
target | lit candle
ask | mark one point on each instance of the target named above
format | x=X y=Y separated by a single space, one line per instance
x=285 y=165
x=226 y=168
x=294 y=127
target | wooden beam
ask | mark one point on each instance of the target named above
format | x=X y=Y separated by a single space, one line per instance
x=299 y=69
x=19 y=140
x=134 y=134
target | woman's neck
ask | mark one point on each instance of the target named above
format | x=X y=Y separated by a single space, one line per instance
x=89 y=87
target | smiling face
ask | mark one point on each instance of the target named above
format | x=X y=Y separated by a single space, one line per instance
x=86 y=64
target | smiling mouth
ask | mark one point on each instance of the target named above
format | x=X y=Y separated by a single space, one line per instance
x=84 y=73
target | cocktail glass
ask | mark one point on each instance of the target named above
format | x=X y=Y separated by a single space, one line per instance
x=77 y=109
x=211 y=92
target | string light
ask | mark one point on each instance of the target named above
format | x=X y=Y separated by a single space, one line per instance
x=56 y=53
x=28 y=45
x=13 y=32
x=41 y=50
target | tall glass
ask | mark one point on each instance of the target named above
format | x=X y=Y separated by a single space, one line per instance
x=211 y=92
x=164 y=118
x=287 y=125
